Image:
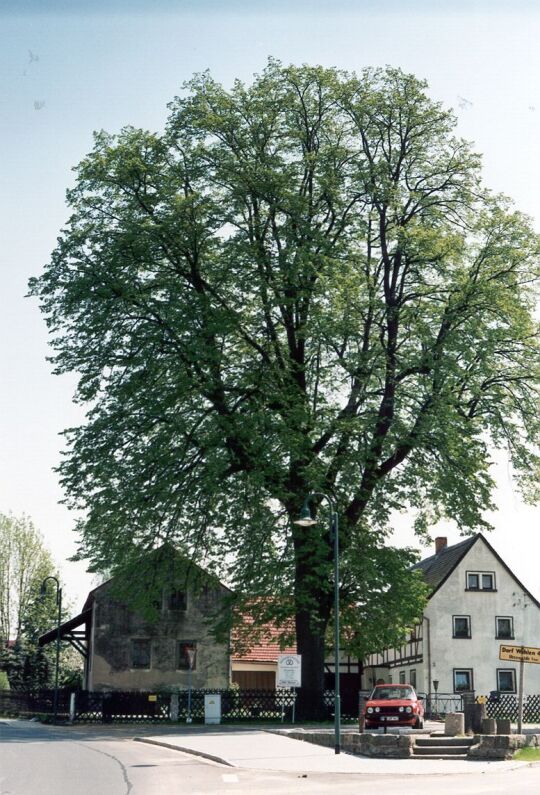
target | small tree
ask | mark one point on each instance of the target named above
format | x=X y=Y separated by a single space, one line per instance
x=24 y=614
x=24 y=563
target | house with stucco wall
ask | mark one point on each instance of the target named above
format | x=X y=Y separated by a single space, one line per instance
x=125 y=648
x=476 y=605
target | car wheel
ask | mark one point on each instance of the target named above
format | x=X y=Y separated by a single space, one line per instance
x=419 y=723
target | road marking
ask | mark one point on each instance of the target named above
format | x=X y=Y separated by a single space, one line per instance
x=229 y=778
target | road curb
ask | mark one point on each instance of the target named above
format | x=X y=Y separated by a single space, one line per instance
x=220 y=760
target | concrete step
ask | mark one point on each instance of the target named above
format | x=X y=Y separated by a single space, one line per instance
x=437 y=750
x=441 y=747
x=459 y=742
x=431 y=757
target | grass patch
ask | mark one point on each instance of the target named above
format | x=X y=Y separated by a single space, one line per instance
x=528 y=755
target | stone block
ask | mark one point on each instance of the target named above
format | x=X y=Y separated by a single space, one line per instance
x=504 y=726
x=454 y=724
x=495 y=746
x=489 y=726
x=474 y=715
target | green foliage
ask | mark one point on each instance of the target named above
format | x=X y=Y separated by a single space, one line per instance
x=24 y=563
x=4 y=681
x=382 y=600
x=300 y=285
x=71 y=670
x=24 y=615
x=145 y=580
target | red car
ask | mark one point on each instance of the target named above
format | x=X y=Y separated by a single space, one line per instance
x=393 y=705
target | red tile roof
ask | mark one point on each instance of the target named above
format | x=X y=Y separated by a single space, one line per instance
x=265 y=649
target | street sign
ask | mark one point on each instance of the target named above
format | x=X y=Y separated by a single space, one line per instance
x=528 y=654
x=522 y=655
x=191 y=655
x=289 y=671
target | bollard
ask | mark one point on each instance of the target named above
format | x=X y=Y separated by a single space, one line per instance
x=454 y=724
x=174 y=710
x=504 y=726
x=474 y=714
x=489 y=726
x=479 y=713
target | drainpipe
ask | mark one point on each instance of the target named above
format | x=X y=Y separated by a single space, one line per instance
x=428 y=650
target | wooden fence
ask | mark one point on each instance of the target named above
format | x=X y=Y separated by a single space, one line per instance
x=26 y=703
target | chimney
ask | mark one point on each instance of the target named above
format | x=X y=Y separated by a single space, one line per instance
x=440 y=544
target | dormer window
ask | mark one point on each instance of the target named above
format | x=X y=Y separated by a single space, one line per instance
x=480 y=581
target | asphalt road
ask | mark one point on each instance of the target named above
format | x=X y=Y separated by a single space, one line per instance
x=40 y=760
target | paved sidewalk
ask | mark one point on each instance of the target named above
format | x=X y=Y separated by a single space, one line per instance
x=262 y=750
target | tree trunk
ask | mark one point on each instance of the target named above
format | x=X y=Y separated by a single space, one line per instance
x=310 y=644
x=313 y=600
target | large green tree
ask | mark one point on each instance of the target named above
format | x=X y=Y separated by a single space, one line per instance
x=300 y=285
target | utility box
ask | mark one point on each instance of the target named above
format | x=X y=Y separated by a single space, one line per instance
x=212 y=708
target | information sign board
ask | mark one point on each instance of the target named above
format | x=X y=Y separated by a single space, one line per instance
x=289 y=671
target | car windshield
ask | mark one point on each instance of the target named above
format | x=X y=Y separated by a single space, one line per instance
x=382 y=693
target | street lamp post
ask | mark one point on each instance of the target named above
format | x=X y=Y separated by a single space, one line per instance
x=43 y=591
x=306 y=520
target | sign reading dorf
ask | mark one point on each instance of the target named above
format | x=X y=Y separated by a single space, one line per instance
x=528 y=654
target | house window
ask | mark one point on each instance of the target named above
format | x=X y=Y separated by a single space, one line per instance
x=141 y=652
x=461 y=626
x=480 y=581
x=504 y=627
x=488 y=582
x=412 y=677
x=186 y=652
x=473 y=581
x=177 y=600
x=463 y=680
x=506 y=680
x=402 y=677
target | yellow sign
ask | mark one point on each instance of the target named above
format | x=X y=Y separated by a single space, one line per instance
x=528 y=654
x=152 y=698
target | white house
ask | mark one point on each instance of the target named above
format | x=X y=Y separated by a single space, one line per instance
x=476 y=605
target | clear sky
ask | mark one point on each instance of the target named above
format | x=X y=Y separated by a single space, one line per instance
x=68 y=68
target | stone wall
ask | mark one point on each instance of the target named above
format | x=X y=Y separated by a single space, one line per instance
x=501 y=746
x=395 y=746
x=382 y=746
